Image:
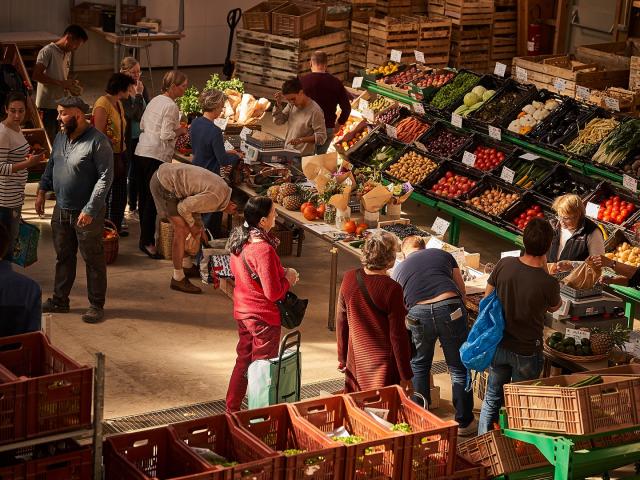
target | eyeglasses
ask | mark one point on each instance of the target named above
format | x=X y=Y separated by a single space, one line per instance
x=566 y=219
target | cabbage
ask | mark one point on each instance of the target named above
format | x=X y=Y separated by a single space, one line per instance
x=471 y=99
x=488 y=94
x=479 y=90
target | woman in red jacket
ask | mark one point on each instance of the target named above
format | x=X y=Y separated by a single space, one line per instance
x=260 y=281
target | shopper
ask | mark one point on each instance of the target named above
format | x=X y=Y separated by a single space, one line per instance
x=20 y=296
x=526 y=292
x=160 y=126
x=261 y=281
x=51 y=71
x=373 y=346
x=14 y=162
x=434 y=294
x=575 y=236
x=80 y=171
x=134 y=106
x=329 y=93
x=108 y=117
x=304 y=118
x=207 y=143
x=181 y=193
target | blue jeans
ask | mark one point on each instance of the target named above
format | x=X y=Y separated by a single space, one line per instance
x=506 y=367
x=10 y=219
x=427 y=324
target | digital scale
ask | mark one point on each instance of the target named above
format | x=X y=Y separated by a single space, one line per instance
x=266 y=148
x=604 y=311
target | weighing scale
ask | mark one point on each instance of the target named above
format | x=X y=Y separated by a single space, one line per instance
x=267 y=151
x=604 y=311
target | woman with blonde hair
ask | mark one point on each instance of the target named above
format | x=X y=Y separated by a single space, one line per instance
x=160 y=126
x=373 y=345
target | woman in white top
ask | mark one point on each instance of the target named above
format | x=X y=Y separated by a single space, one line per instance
x=14 y=162
x=160 y=126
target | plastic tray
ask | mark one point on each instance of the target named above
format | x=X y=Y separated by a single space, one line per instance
x=394 y=179
x=479 y=140
x=549 y=167
x=427 y=120
x=539 y=96
x=489 y=81
x=583 y=112
x=468 y=471
x=525 y=203
x=425 y=187
x=604 y=191
x=436 y=129
x=481 y=123
x=358 y=156
x=75 y=463
x=485 y=184
x=561 y=175
x=457 y=99
x=425 y=94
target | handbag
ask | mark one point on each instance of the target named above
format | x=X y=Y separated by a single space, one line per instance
x=215 y=262
x=292 y=308
x=25 y=252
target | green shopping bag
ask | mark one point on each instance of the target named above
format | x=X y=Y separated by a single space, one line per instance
x=25 y=252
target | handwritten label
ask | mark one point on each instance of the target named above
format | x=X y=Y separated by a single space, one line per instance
x=228 y=146
x=582 y=93
x=564 y=308
x=357 y=82
x=440 y=226
x=435 y=243
x=469 y=158
x=612 y=104
x=368 y=115
x=507 y=175
x=500 y=69
x=420 y=146
x=364 y=104
x=530 y=156
x=456 y=120
x=245 y=133
x=592 y=210
x=396 y=56
x=630 y=183
x=495 y=133
x=391 y=131
x=418 y=108
x=521 y=74
x=511 y=253
x=560 y=84
x=419 y=56
x=221 y=123
x=576 y=334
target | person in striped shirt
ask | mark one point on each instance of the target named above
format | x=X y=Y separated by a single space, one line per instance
x=15 y=159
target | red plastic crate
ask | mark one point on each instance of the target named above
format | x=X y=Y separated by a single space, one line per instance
x=73 y=465
x=12 y=405
x=221 y=435
x=430 y=449
x=280 y=429
x=58 y=390
x=467 y=471
x=378 y=457
x=14 y=472
x=151 y=454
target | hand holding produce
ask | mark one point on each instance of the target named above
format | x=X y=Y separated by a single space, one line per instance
x=460 y=84
x=493 y=201
x=410 y=128
x=522 y=220
x=591 y=135
x=619 y=143
x=615 y=210
x=531 y=115
x=445 y=143
x=473 y=100
x=487 y=158
x=452 y=185
x=412 y=167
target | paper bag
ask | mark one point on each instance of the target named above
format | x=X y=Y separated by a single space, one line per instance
x=318 y=169
x=583 y=277
x=341 y=200
x=399 y=199
x=376 y=198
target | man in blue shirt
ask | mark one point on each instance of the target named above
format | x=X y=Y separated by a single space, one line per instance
x=20 y=296
x=80 y=171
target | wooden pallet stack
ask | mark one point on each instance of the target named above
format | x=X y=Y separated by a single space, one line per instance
x=471 y=33
x=435 y=40
x=361 y=10
x=264 y=61
x=504 y=40
x=390 y=33
x=358 y=47
x=419 y=7
x=393 y=8
x=436 y=7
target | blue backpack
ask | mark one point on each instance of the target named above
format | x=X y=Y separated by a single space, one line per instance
x=478 y=351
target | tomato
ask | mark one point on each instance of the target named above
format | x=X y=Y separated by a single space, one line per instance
x=619 y=219
x=540 y=215
x=606 y=218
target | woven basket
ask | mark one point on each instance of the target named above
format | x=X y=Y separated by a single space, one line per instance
x=286 y=240
x=110 y=244
x=575 y=358
x=165 y=239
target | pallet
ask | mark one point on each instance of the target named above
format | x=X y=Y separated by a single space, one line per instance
x=436 y=7
x=393 y=8
x=419 y=7
x=465 y=12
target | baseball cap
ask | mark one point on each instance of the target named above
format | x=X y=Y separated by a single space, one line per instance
x=70 y=101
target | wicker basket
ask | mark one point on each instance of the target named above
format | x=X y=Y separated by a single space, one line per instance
x=110 y=244
x=575 y=358
x=258 y=17
x=165 y=239
x=296 y=21
x=286 y=240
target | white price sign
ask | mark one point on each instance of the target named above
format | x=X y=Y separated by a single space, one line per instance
x=582 y=93
x=363 y=105
x=630 y=183
x=357 y=82
x=418 y=108
x=391 y=131
x=243 y=147
x=221 y=123
x=495 y=133
x=228 y=146
x=456 y=120
x=420 y=146
x=368 y=115
x=530 y=156
x=564 y=308
x=440 y=226
x=507 y=175
x=521 y=74
x=419 y=56
x=592 y=210
x=560 y=84
x=396 y=56
x=245 y=133
x=500 y=69
x=458 y=256
x=612 y=104
x=469 y=158
x=576 y=334
x=435 y=243
x=511 y=253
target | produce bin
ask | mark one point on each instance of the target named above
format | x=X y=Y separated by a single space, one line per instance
x=467 y=471
x=526 y=205
x=378 y=456
x=258 y=17
x=483 y=141
x=618 y=238
x=607 y=190
x=491 y=184
x=489 y=82
x=506 y=103
x=58 y=390
x=278 y=428
x=153 y=454
x=64 y=459
x=421 y=171
x=459 y=140
x=417 y=90
x=566 y=180
x=528 y=174
x=623 y=136
x=297 y=21
x=429 y=450
x=563 y=124
x=411 y=127
x=585 y=156
x=453 y=91
x=361 y=156
x=541 y=406
x=428 y=186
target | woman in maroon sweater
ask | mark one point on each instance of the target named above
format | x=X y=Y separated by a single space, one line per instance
x=373 y=345
x=254 y=295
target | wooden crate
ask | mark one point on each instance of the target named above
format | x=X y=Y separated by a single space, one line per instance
x=436 y=7
x=613 y=55
x=435 y=40
x=503 y=48
x=390 y=33
x=628 y=100
x=466 y=12
x=505 y=19
x=634 y=73
x=419 y=7
x=393 y=8
x=470 y=47
x=338 y=24
x=363 y=11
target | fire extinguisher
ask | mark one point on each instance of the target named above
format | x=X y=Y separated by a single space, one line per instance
x=534 y=39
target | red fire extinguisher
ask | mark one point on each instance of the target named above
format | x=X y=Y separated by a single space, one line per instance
x=534 y=39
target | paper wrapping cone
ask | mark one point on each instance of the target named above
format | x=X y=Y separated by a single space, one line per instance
x=318 y=169
x=399 y=200
x=341 y=200
x=377 y=198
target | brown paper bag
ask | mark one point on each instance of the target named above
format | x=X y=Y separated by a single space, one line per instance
x=376 y=198
x=583 y=277
x=341 y=200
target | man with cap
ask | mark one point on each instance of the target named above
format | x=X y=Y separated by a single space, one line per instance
x=80 y=172
x=181 y=193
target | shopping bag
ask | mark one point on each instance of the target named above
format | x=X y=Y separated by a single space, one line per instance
x=25 y=252
x=215 y=262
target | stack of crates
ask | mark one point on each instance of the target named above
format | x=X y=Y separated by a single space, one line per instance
x=504 y=40
x=471 y=33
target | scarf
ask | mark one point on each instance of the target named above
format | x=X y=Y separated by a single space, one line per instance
x=259 y=234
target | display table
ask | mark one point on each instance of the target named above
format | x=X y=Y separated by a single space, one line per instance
x=28 y=39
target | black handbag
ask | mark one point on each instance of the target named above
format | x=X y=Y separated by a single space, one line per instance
x=292 y=308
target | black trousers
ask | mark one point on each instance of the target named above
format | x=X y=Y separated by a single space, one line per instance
x=146 y=167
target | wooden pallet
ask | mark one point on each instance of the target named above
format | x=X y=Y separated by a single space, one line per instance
x=435 y=40
x=470 y=32
x=393 y=8
x=419 y=7
x=505 y=22
x=466 y=12
x=436 y=7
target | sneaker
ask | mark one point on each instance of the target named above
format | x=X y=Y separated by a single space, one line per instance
x=191 y=272
x=93 y=315
x=184 y=285
x=49 y=306
x=469 y=430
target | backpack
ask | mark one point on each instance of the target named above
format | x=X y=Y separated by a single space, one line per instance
x=10 y=81
x=482 y=342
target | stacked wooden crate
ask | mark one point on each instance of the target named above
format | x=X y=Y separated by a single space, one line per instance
x=634 y=73
x=436 y=7
x=390 y=33
x=471 y=33
x=264 y=61
x=361 y=10
x=358 y=46
x=435 y=40
x=504 y=40
x=419 y=7
x=393 y=8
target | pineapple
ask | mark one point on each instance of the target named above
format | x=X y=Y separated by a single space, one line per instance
x=287 y=189
x=273 y=192
x=601 y=343
x=293 y=202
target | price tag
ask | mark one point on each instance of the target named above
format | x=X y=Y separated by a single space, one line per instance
x=391 y=131
x=511 y=253
x=458 y=256
x=419 y=56
x=576 y=334
x=420 y=146
x=243 y=147
x=564 y=308
x=521 y=74
x=500 y=69
x=418 y=108
x=469 y=158
x=221 y=123
x=530 y=156
x=368 y=115
x=507 y=175
x=363 y=105
x=592 y=209
x=629 y=183
x=396 y=56
x=495 y=133
x=612 y=104
x=435 y=243
x=440 y=226
x=560 y=84
x=228 y=146
x=245 y=133
x=582 y=93
x=357 y=82
x=456 y=120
